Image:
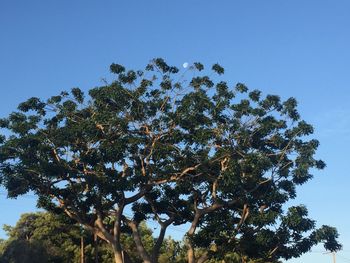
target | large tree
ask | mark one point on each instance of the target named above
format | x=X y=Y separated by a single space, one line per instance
x=175 y=150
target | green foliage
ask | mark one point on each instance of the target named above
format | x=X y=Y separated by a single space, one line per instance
x=42 y=236
x=22 y=251
x=224 y=159
x=46 y=237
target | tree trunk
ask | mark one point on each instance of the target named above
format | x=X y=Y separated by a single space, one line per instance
x=138 y=242
x=126 y=257
x=159 y=242
x=190 y=253
x=82 y=259
x=191 y=258
x=118 y=253
x=96 y=247
x=118 y=256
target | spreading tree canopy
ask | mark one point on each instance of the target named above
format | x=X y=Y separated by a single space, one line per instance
x=193 y=151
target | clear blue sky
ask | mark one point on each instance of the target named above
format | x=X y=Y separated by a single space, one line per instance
x=292 y=48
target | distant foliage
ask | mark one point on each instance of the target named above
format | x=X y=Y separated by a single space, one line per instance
x=44 y=237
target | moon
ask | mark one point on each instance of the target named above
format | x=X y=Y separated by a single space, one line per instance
x=185 y=65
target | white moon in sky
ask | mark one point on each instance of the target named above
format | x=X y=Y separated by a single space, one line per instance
x=185 y=65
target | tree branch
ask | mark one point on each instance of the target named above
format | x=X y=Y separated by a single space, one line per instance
x=76 y=217
x=137 y=196
x=100 y=226
x=159 y=242
x=204 y=257
x=138 y=242
x=117 y=226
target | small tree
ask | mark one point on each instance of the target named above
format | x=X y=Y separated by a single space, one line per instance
x=172 y=150
x=41 y=237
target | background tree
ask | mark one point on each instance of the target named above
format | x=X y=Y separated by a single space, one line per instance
x=169 y=149
x=46 y=237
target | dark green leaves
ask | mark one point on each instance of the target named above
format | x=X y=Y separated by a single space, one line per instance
x=78 y=95
x=4 y=123
x=198 y=66
x=128 y=78
x=255 y=95
x=198 y=82
x=218 y=69
x=54 y=99
x=164 y=67
x=328 y=236
x=240 y=87
x=271 y=102
x=32 y=104
x=296 y=219
x=117 y=68
x=290 y=109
